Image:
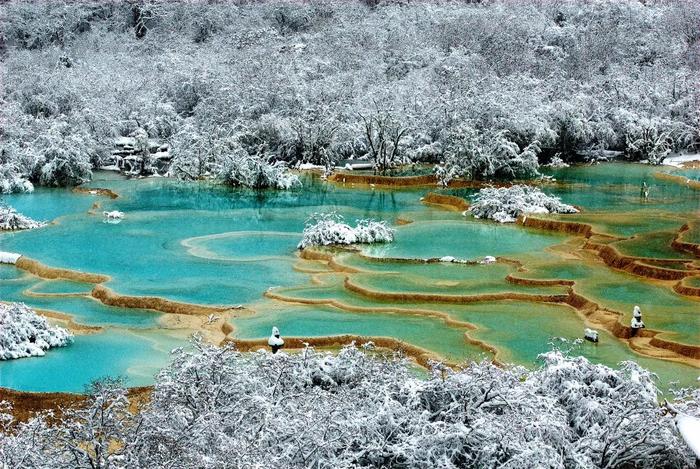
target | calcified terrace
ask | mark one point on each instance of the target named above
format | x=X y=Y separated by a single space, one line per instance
x=235 y=273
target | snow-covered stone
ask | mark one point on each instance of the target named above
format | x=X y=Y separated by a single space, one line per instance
x=113 y=215
x=11 y=220
x=505 y=204
x=275 y=341
x=447 y=259
x=488 y=260
x=328 y=228
x=590 y=334
x=23 y=333
x=9 y=257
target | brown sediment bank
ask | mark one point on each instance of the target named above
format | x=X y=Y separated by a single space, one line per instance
x=388 y=181
x=568 y=227
x=639 y=265
x=647 y=342
x=657 y=346
x=365 y=179
x=675 y=178
x=108 y=297
x=448 y=201
x=421 y=356
x=27 y=404
x=456 y=299
x=96 y=191
x=538 y=282
x=40 y=270
x=402 y=221
x=685 y=246
x=68 y=321
x=683 y=289
x=446 y=318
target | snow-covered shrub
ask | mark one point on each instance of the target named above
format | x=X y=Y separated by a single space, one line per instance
x=23 y=333
x=215 y=407
x=557 y=162
x=63 y=157
x=12 y=220
x=474 y=154
x=11 y=181
x=324 y=229
x=649 y=141
x=505 y=204
x=257 y=172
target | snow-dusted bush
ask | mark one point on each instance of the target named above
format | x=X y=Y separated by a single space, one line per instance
x=505 y=204
x=474 y=154
x=258 y=172
x=557 y=162
x=11 y=220
x=23 y=333
x=11 y=181
x=215 y=407
x=324 y=229
x=649 y=141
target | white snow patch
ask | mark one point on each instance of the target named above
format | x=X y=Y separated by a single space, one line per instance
x=23 y=333
x=9 y=257
x=689 y=428
x=677 y=159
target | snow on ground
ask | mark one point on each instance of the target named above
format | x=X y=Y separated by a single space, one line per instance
x=23 y=333
x=11 y=220
x=9 y=257
x=328 y=228
x=677 y=159
x=505 y=204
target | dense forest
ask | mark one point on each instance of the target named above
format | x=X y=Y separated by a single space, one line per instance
x=489 y=89
x=215 y=407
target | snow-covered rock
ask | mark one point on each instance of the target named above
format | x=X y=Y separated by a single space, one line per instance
x=447 y=259
x=275 y=341
x=328 y=228
x=113 y=215
x=505 y=204
x=9 y=257
x=23 y=333
x=11 y=220
x=590 y=334
x=488 y=260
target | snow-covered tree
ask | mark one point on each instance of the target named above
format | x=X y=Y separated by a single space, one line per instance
x=324 y=229
x=11 y=219
x=217 y=407
x=23 y=333
x=505 y=204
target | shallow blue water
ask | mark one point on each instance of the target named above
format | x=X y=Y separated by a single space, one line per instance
x=200 y=243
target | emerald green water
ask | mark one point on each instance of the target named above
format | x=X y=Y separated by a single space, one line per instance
x=207 y=244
